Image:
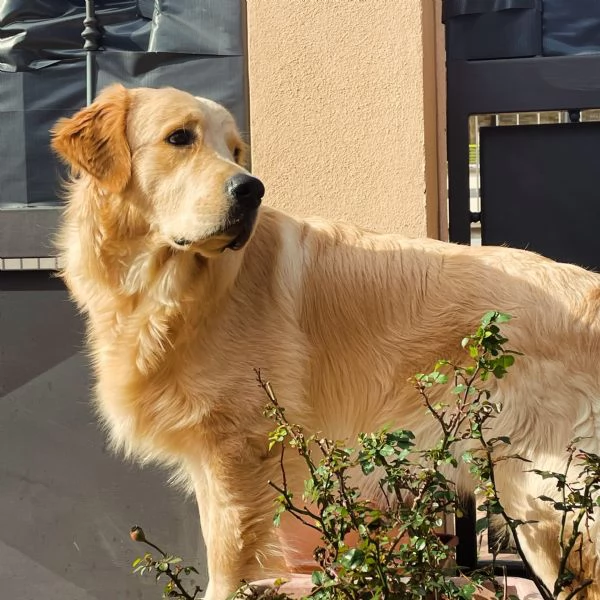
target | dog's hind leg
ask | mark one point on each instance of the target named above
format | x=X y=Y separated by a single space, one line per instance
x=543 y=536
x=540 y=542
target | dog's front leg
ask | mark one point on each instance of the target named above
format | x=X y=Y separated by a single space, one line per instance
x=236 y=511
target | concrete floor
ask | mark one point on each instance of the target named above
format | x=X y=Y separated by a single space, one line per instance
x=66 y=503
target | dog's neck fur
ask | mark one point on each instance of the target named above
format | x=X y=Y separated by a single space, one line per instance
x=136 y=284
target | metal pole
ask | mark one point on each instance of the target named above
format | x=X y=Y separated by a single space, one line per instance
x=91 y=34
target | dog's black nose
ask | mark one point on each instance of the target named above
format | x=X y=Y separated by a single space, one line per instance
x=245 y=190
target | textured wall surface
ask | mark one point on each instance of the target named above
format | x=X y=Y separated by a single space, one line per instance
x=343 y=109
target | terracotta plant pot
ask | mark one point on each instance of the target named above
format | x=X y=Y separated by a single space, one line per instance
x=298 y=585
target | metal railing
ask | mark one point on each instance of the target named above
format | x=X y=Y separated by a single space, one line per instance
x=92 y=35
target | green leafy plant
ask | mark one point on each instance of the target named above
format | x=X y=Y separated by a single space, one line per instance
x=167 y=567
x=399 y=551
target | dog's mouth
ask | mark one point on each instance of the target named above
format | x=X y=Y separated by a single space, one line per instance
x=240 y=233
x=233 y=236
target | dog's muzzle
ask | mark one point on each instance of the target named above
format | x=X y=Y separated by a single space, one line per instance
x=244 y=194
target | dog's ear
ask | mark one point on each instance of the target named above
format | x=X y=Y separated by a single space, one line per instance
x=94 y=139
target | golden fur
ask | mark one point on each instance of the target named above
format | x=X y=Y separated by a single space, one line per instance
x=337 y=318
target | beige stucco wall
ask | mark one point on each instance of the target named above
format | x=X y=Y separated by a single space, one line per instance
x=343 y=109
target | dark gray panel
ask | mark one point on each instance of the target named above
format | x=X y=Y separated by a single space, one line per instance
x=539 y=190
x=571 y=27
x=216 y=77
x=502 y=29
x=207 y=27
x=33 y=336
x=30 y=104
x=37 y=34
x=28 y=232
x=13 y=166
x=40 y=33
x=60 y=86
x=67 y=504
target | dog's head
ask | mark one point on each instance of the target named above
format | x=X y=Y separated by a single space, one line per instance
x=179 y=159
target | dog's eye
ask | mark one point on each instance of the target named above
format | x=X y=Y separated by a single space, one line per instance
x=181 y=137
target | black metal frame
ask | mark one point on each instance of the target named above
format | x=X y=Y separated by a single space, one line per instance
x=507 y=86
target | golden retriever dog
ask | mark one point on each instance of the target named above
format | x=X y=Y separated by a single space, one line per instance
x=188 y=285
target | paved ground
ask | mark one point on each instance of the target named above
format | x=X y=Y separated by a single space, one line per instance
x=66 y=504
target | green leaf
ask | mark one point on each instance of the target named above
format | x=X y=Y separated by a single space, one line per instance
x=481 y=524
x=467 y=591
x=367 y=467
x=547 y=499
x=518 y=522
x=548 y=474
x=318 y=578
x=162 y=566
x=503 y=318
x=488 y=317
x=439 y=378
x=495 y=508
x=508 y=360
x=501 y=438
x=420 y=545
x=352 y=559
x=386 y=450
x=401 y=437
x=136 y=562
